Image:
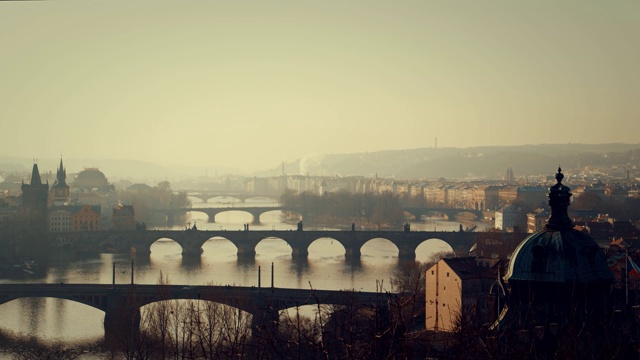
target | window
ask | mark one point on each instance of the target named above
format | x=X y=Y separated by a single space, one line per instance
x=432 y=272
x=447 y=274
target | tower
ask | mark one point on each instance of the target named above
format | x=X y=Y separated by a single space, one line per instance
x=34 y=202
x=59 y=193
x=559 y=280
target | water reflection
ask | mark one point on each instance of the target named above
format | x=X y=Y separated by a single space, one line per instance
x=326 y=267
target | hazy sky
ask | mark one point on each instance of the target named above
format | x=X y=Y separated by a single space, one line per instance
x=249 y=84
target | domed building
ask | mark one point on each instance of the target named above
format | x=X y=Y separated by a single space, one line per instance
x=559 y=279
x=91 y=187
x=91 y=178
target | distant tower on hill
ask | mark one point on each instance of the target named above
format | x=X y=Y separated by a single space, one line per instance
x=510 y=177
x=34 y=202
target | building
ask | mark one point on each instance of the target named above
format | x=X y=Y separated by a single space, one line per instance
x=560 y=283
x=35 y=196
x=59 y=193
x=60 y=219
x=123 y=218
x=532 y=196
x=508 y=218
x=456 y=286
x=91 y=187
x=92 y=179
x=85 y=218
x=8 y=210
x=536 y=220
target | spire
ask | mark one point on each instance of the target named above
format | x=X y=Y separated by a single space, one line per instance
x=61 y=176
x=559 y=200
x=35 y=175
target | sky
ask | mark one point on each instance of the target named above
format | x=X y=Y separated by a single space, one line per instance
x=249 y=84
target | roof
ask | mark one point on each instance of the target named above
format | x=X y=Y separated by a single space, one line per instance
x=559 y=256
x=467 y=268
x=559 y=253
x=139 y=187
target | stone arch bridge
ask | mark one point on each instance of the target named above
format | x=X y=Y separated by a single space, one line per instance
x=255 y=211
x=122 y=303
x=191 y=241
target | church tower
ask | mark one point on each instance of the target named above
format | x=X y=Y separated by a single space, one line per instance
x=560 y=284
x=59 y=193
x=34 y=202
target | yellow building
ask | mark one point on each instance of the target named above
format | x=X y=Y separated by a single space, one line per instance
x=85 y=218
x=456 y=286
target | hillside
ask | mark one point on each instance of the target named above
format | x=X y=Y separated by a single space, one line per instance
x=476 y=162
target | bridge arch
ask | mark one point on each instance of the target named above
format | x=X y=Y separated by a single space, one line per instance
x=274 y=245
x=91 y=301
x=18 y=310
x=197 y=215
x=380 y=247
x=326 y=247
x=229 y=212
x=219 y=247
x=166 y=242
x=201 y=303
x=431 y=249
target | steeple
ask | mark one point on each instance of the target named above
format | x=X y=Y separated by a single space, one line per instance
x=559 y=200
x=35 y=175
x=61 y=176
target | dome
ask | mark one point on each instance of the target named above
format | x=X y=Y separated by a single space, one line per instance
x=559 y=253
x=558 y=256
x=90 y=178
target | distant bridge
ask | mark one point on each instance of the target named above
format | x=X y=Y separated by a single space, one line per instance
x=255 y=211
x=449 y=212
x=205 y=195
x=191 y=241
x=122 y=303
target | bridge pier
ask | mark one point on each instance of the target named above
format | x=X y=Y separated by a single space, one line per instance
x=211 y=218
x=192 y=252
x=352 y=253
x=246 y=251
x=256 y=220
x=265 y=319
x=299 y=252
x=121 y=321
x=405 y=253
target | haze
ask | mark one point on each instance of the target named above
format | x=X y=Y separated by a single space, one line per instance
x=248 y=84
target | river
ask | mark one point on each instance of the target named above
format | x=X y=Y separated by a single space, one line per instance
x=65 y=321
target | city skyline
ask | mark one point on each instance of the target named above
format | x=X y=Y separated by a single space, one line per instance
x=248 y=86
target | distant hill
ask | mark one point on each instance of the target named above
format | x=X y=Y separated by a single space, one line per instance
x=475 y=162
x=490 y=162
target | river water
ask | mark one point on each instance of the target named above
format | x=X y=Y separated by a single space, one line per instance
x=326 y=268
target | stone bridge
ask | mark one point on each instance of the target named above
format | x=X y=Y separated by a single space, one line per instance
x=449 y=212
x=242 y=196
x=122 y=303
x=255 y=211
x=191 y=241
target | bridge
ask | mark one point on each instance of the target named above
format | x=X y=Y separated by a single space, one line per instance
x=255 y=211
x=449 y=212
x=205 y=195
x=122 y=303
x=191 y=241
